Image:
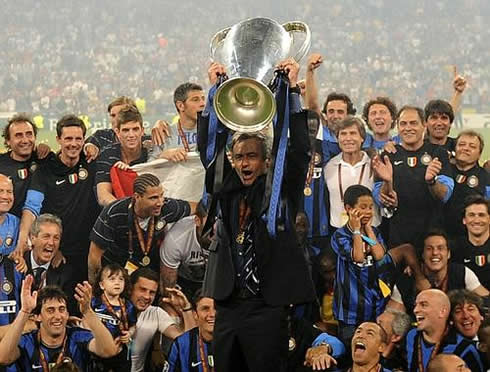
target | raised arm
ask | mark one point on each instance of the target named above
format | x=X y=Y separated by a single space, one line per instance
x=459 y=85
x=9 y=351
x=94 y=261
x=311 y=91
x=104 y=193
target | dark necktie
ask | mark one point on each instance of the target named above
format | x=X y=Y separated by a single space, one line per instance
x=38 y=277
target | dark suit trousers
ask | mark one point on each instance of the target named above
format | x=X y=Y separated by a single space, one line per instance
x=250 y=335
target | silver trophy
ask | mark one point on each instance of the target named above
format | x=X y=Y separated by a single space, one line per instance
x=250 y=50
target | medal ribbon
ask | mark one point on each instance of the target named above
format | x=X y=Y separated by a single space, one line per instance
x=123 y=319
x=244 y=214
x=204 y=360
x=432 y=354
x=341 y=189
x=42 y=358
x=309 y=175
x=183 y=137
x=145 y=248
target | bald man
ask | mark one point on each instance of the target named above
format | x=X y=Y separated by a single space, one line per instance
x=447 y=363
x=433 y=334
x=9 y=224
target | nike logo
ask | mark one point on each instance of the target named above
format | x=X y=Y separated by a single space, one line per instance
x=99 y=309
x=33 y=366
x=60 y=182
x=398 y=162
x=466 y=260
x=195 y=364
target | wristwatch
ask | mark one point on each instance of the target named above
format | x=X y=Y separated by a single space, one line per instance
x=329 y=348
x=295 y=89
x=430 y=183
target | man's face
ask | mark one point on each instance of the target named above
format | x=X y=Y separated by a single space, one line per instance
x=46 y=244
x=467 y=319
x=379 y=119
x=143 y=293
x=335 y=112
x=438 y=125
x=428 y=311
x=113 y=114
x=6 y=194
x=53 y=317
x=22 y=139
x=205 y=314
x=410 y=127
x=476 y=219
x=468 y=150
x=151 y=202
x=71 y=142
x=248 y=160
x=385 y=321
x=350 y=139
x=436 y=253
x=366 y=343
x=194 y=103
x=130 y=135
x=453 y=363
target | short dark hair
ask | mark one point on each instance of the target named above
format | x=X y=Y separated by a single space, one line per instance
x=144 y=272
x=472 y=133
x=439 y=106
x=419 y=111
x=354 y=192
x=65 y=366
x=350 y=121
x=18 y=118
x=385 y=101
x=128 y=114
x=436 y=232
x=70 y=120
x=201 y=210
x=182 y=91
x=240 y=137
x=475 y=199
x=119 y=101
x=111 y=269
x=198 y=296
x=143 y=181
x=463 y=296
x=49 y=292
x=334 y=96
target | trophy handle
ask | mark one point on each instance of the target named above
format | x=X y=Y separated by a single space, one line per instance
x=296 y=26
x=217 y=40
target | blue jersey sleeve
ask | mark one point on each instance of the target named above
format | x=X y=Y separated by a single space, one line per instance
x=338 y=348
x=34 y=202
x=449 y=183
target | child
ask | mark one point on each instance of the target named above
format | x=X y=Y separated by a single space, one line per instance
x=118 y=314
x=365 y=271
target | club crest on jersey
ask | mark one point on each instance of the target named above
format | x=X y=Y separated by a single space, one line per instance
x=73 y=178
x=412 y=161
x=82 y=173
x=7 y=287
x=22 y=173
x=33 y=167
x=426 y=159
x=480 y=260
x=9 y=241
x=160 y=224
x=460 y=178
x=472 y=181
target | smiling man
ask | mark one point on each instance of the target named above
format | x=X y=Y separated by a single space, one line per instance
x=441 y=273
x=439 y=116
x=466 y=312
x=9 y=224
x=368 y=344
x=433 y=335
x=129 y=231
x=193 y=348
x=64 y=187
x=414 y=182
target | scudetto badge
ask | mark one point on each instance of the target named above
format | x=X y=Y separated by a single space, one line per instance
x=412 y=161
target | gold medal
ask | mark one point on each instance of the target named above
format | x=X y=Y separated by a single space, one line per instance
x=292 y=343
x=145 y=260
x=240 y=238
x=307 y=191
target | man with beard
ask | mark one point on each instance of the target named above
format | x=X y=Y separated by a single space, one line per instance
x=473 y=249
x=64 y=187
x=469 y=177
x=183 y=253
x=433 y=334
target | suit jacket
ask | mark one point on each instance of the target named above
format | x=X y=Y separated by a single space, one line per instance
x=283 y=272
x=54 y=276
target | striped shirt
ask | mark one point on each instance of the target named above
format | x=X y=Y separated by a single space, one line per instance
x=111 y=231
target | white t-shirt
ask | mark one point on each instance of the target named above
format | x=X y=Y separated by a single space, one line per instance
x=180 y=249
x=150 y=321
x=471 y=283
x=349 y=175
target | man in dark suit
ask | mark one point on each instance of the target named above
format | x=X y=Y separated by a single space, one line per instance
x=45 y=235
x=251 y=275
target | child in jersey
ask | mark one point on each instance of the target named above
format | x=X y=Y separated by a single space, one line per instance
x=112 y=306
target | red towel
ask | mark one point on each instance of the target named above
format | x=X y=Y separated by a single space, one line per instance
x=122 y=182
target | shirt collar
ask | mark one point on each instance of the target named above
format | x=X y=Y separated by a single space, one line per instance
x=338 y=160
x=34 y=264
